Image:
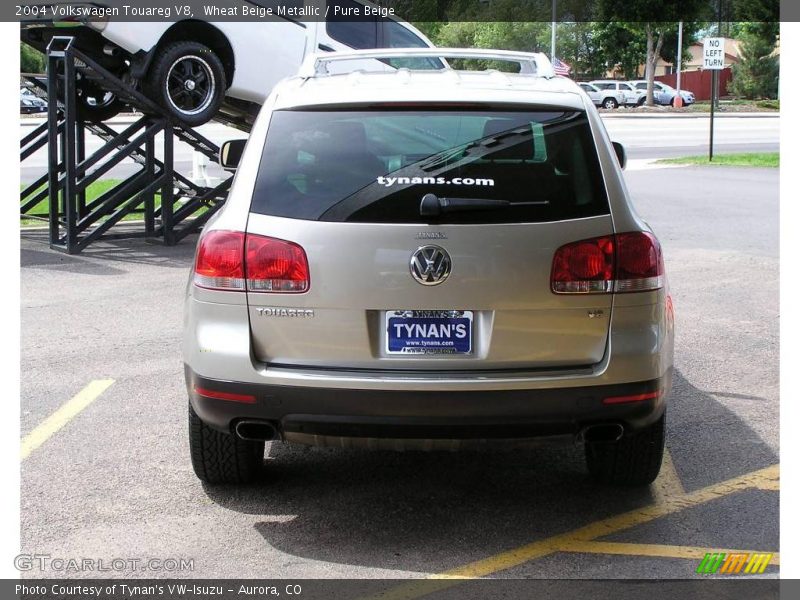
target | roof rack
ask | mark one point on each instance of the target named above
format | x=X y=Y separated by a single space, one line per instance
x=531 y=63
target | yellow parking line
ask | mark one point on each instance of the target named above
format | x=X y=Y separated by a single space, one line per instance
x=517 y=556
x=668 y=483
x=660 y=550
x=62 y=416
x=670 y=504
x=771 y=485
x=611 y=525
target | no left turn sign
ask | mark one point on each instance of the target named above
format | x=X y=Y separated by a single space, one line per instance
x=714 y=53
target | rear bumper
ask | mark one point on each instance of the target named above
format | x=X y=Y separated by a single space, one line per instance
x=426 y=414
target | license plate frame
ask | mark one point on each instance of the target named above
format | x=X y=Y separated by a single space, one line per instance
x=429 y=332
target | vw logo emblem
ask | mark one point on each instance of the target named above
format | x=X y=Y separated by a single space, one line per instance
x=430 y=265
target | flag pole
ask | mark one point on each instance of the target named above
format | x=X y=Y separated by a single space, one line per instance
x=553 y=35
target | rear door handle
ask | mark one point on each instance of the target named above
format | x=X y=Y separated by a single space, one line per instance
x=325 y=48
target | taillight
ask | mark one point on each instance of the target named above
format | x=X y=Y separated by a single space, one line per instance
x=625 y=262
x=220 y=261
x=235 y=261
x=584 y=267
x=275 y=266
x=640 y=264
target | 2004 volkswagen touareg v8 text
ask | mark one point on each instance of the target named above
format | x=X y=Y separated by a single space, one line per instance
x=427 y=259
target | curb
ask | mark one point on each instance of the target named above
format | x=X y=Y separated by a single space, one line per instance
x=717 y=115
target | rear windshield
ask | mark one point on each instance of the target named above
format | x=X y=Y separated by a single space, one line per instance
x=479 y=166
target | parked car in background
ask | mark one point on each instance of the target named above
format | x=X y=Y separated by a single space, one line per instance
x=664 y=94
x=191 y=67
x=30 y=103
x=659 y=97
x=603 y=98
x=631 y=95
x=671 y=92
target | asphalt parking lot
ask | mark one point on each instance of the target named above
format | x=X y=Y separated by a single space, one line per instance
x=114 y=479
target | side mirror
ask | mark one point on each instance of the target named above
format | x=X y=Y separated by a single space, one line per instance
x=619 y=149
x=231 y=153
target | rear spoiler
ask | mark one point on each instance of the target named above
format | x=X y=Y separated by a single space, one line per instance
x=531 y=63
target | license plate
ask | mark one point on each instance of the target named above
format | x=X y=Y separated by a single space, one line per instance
x=429 y=332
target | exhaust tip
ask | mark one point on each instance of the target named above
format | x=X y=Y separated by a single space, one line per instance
x=256 y=431
x=604 y=432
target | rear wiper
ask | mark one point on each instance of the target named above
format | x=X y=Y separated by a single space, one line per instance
x=432 y=206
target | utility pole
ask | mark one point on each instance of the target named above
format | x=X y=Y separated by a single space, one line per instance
x=680 y=56
x=711 y=118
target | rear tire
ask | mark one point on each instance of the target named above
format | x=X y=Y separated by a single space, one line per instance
x=187 y=79
x=93 y=103
x=634 y=460
x=221 y=457
x=98 y=105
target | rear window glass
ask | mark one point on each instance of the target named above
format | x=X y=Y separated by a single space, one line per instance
x=480 y=166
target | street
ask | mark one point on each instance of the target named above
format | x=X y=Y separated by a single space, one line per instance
x=651 y=137
x=116 y=480
x=644 y=137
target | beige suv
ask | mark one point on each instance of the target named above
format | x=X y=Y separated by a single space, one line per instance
x=427 y=259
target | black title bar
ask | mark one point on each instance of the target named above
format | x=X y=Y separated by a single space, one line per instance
x=409 y=10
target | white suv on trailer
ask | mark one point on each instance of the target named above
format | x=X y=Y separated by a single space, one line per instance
x=191 y=66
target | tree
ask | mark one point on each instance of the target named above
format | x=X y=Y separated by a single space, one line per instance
x=30 y=59
x=579 y=46
x=523 y=36
x=655 y=39
x=756 y=74
x=632 y=43
x=638 y=17
x=622 y=46
x=669 y=49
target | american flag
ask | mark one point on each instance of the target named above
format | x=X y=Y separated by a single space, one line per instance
x=560 y=67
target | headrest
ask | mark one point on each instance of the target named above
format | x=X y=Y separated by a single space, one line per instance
x=506 y=126
x=494 y=126
x=346 y=137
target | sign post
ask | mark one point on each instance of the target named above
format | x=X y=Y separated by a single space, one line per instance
x=713 y=60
